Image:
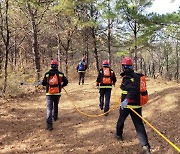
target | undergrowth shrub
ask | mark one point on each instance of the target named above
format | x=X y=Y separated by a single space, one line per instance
x=18 y=83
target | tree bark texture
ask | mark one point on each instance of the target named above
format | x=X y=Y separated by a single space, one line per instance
x=35 y=41
x=7 y=41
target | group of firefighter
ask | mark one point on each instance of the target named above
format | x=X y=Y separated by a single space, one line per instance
x=54 y=80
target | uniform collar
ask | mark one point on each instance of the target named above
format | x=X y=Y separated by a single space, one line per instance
x=127 y=72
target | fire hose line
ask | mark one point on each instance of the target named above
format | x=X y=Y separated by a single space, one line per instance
x=113 y=107
x=90 y=115
x=158 y=132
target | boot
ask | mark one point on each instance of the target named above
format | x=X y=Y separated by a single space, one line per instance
x=101 y=107
x=146 y=149
x=106 y=114
x=49 y=127
x=119 y=137
x=55 y=118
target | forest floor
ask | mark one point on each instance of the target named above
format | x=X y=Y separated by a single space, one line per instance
x=22 y=122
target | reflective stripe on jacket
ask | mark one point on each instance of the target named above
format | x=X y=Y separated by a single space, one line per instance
x=105 y=86
x=133 y=106
x=53 y=94
x=81 y=71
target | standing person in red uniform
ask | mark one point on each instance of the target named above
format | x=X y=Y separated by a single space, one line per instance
x=130 y=93
x=54 y=80
x=105 y=79
x=81 y=69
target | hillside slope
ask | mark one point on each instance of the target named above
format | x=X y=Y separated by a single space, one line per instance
x=22 y=122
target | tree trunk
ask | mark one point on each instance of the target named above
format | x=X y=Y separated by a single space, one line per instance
x=109 y=36
x=6 y=46
x=86 y=45
x=93 y=14
x=15 y=51
x=167 y=63
x=35 y=42
x=87 y=51
x=1 y=38
x=153 y=70
x=1 y=60
x=145 y=69
x=135 y=46
x=66 y=63
x=66 y=50
x=59 y=51
x=109 y=41
x=149 y=69
x=95 y=49
x=141 y=64
x=36 y=51
x=177 y=62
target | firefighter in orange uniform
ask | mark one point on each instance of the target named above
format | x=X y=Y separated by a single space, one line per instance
x=130 y=96
x=105 y=79
x=54 y=80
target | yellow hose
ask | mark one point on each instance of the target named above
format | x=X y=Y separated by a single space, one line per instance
x=158 y=132
x=91 y=115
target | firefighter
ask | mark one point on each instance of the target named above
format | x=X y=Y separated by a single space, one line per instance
x=81 y=69
x=105 y=79
x=54 y=80
x=129 y=97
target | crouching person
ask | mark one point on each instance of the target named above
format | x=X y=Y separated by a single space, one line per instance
x=54 y=80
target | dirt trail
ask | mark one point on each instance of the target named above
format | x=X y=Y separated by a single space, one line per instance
x=22 y=123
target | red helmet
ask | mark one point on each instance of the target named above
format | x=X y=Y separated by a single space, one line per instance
x=105 y=62
x=54 y=62
x=127 y=61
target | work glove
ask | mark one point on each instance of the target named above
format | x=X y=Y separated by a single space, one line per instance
x=40 y=82
x=97 y=86
x=124 y=103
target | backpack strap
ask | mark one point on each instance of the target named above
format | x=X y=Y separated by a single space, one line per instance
x=48 y=77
